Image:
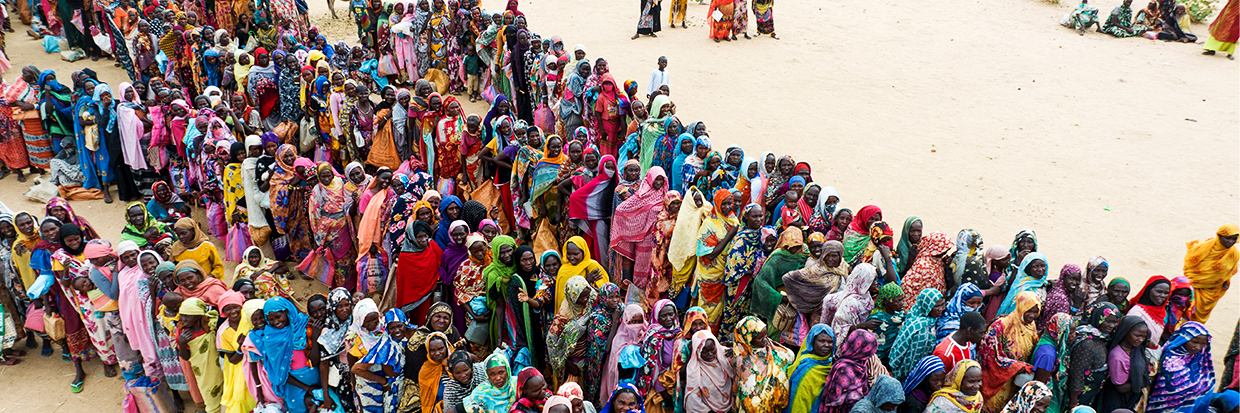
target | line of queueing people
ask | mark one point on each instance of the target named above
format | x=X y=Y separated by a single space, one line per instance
x=1166 y=20
x=575 y=237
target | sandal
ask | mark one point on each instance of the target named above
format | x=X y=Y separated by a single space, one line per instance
x=11 y=362
x=47 y=352
x=76 y=387
x=65 y=357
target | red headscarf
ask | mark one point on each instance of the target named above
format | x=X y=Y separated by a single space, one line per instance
x=863 y=216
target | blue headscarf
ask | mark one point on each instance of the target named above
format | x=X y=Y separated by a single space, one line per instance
x=102 y=110
x=492 y=115
x=950 y=321
x=676 y=173
x=441 y=234
x=925 y=367
x=622 y=386
x=1023 y=282
x=389 y=351
x=277 y=345
x=213 y=71
x=806 y=362
x=632 y=144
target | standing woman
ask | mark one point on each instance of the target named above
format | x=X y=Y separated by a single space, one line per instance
x=630 y=237
x=916 y=337
x=525 y=323
x=1051 y=357
x=853 y=303
x=683 y=252
x=761 y=369
x=658 y=345
x=720 y=17
x=1029 y=277
x=193 y=244
x=740 y=19
x=330 y=205
x=715 y=235
x=282 y=349
x=1186 y=371
x=1087 y=364
x=649 y=22
x=660 y=280
x=708 y=376
x=808 y=374
x=82 y=329
x=928 y=270
x=331 y=346
x=378 y=374
x=416 y=272
x=744 y=257
x=1128 y=369
x=497 y=275
x=849 y=380
x=1151 y=306
x=1006 y=345
x=291 y=219
x=1210 y=263
x=678 y=14
x=196 y=344
x=910 y=239
x=821 y=275
x=764 y=13
x=137 y=302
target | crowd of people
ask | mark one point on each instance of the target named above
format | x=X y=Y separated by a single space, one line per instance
x=1166 y=20
x=576 y=246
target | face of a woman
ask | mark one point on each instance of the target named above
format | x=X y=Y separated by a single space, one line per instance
x=832 y=259
x=72 y=242
x=939 y=306
x=148 y=264
x=130 y=258
x=1137 y=335
x=50 y=232
x=1036 y=269
x=667 y=316
x=824 y=346
x=815 y=248
x=317 y=309
x=753 y=219
x=528 y=261
x=726 y=206
x=463 y=373
x=535 y=388
x=498 y=376
x=278 y=319
x=422 y=238
x=627 y=401
x=1031 y=315
x=437 y=350
x=574 y=254
x=842 y=220
x=1159 y=294
x=505 y=254
x=935 y=380
x=972 y=382
x=25 y=224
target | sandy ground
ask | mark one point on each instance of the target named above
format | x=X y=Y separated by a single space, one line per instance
x=1124 y=148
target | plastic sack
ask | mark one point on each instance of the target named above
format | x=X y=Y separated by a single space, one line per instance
x=51 y=44
x=34 y=318
x=41 y=285
x=237 y=242
x=544 y=118
x=489 y=94
x=387 y=67
x=147 y=396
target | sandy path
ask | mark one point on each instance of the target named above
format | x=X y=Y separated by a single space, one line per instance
x=1011 y=122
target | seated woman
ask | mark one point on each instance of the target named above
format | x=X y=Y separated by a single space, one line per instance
x=166 y=205
x=1120 y=23
x=1175 y=29
x=194 y=245
x=1080 y=18
x=68 y=177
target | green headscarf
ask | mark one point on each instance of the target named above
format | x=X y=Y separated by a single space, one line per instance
x=497 y=276
x=904 y=251
x=133 y=233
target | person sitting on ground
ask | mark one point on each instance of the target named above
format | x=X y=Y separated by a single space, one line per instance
x=1080 y=18
x=1120 y=24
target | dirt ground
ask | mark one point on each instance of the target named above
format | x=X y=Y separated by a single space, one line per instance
x=1124 y=148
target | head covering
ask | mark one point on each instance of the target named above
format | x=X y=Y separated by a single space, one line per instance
x=955 y=381
x=916 y=337
x=389 y=351
x=708 y=384
x=950 y=321
x=357 y=330
x=277 y=344
x=1024 y=282
x=925 y=367
x=197 y=238
x=808 y=373
x=486 y=397
x=849 y=378
x=641 y=210
x=886 y=390
x=1029 y=395
x=625 y=388
x=1182 y=376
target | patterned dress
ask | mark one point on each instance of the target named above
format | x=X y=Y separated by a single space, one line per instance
x=761 y=376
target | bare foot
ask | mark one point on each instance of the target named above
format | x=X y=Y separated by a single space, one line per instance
x=109 y=370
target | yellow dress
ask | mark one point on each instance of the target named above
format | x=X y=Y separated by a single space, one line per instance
x=206 y=367
x=1208 y=266
x=236 y=397
x=207 y=256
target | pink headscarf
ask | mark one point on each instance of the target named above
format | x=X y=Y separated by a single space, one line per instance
x=640 y=211
x=131 y=128
x=626 y=335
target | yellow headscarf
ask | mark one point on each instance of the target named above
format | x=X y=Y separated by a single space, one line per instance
x=568 y=270
x=430 y=374
x=951 y=391
x=1207 y=264
x=683 y=250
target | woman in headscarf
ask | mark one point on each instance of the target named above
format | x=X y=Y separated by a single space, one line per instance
x=916 y=337
x=967 y=263
x=1128 y=368
x=287 y=200
x=565 y=331
x=807 y=376
x=193 y=244
x=962 y=392
x=682 y=253
x=661 y=267
x=138 y=221
x=1094 y=283
x=967 y=298
x=418 y=352
x=630 y=237
x=1185 y=372
x=708 y=376
x=858 y=233
x=998 y=267
x=193 y=282
x=694 y=163
x=1087 y=364
x=1060 y=297
x=521 y=317
x=1007 y=343
x=136 y=304
x=1209 y=264
x=769 y=286
x=852 y=304
x=498 y=393
x=449 y=211
x=263 y=85
x=1051 y=357
x=629 y=332
x=196 y=342
x=744 y=257
x=60 y=209
x=1030 y=277
x=165 y=205
x=1033 y=398
x=821 y=275
x=330 y=204
x=658 y=347
x=590 y=206
x=332 y=345
x=761 y=369
x=926 y=378
x=577 y=262
x=927 y=270
x=497 y=276
x=714 y=237
x=379 y=373
x=598 y=323
x=849 y=380
x=721 y=27
x=365 y=329
x=416 y=271
x=885 y=392
x=1150 y=304
x=239 y=394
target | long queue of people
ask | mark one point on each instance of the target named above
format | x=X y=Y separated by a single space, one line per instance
x=576 y=246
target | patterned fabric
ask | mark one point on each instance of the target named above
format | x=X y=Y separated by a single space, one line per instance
x=1087 y=368
x=761 y=372
x=927 y=269
x=1058 y=329
x=950 y=321
x=597 y=325
x=1030 y=395
x=1006 y=345
x=808 y=373
x=849 y=380
x=744 y=258
x=1182 y=376
x=655 y=344
x=925 y=367
x=1058 y=300
x=916 y=337
x=950 y=399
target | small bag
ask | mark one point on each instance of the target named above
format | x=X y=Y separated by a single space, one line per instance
x=387 y=67
x=489 y=94
x=785 y=318
x=34 y=319
x=286 y=131
x=238 y=242
x=308 y=135
x=54 y=326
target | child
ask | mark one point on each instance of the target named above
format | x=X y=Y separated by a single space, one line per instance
x=473 y=72
x=169 y=316
x=195 y=339
x=888 y=316
x=963 y=343
x=236 y=398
